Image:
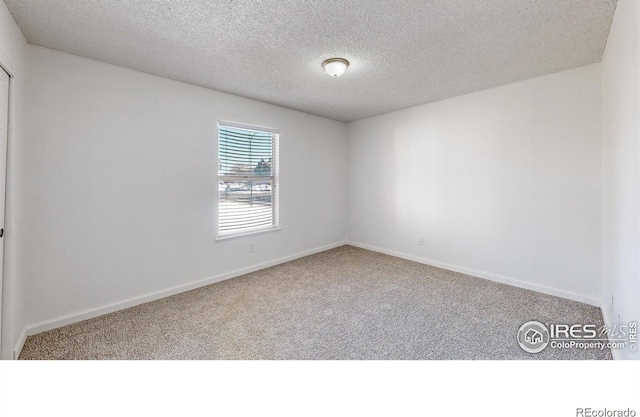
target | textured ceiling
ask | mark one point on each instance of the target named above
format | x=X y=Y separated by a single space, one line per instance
x=402 y=52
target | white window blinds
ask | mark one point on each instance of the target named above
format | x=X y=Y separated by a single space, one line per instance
x=247 y=179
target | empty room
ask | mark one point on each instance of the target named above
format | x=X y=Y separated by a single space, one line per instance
x=320 y=180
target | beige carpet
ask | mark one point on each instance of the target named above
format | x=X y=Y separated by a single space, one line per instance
x=346 y=303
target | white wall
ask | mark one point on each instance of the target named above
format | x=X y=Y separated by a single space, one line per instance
x=122 y=184
x=504 y=183
x=621 y=158
x=13 y=56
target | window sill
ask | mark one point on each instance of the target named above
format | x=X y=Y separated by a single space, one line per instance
x=246 y=234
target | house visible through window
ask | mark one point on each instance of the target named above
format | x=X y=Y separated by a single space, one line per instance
x=247 y=179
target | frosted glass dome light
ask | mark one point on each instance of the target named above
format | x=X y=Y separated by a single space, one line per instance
x=335 y=67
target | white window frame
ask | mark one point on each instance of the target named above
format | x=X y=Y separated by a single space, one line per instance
x=275 y=171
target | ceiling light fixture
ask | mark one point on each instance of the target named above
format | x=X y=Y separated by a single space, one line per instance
x=335 y=67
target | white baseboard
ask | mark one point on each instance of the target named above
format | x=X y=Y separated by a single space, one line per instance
x=134 y=301
x=20 y=344
x=615 y=353
x=486 y=275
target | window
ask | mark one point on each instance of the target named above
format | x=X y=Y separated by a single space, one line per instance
x=247 y=179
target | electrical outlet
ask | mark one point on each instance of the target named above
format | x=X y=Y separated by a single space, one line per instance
x=611 y=304
x=421 y=240
x=252 y=247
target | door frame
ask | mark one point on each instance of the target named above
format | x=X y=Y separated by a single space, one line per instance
x=6 y=65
